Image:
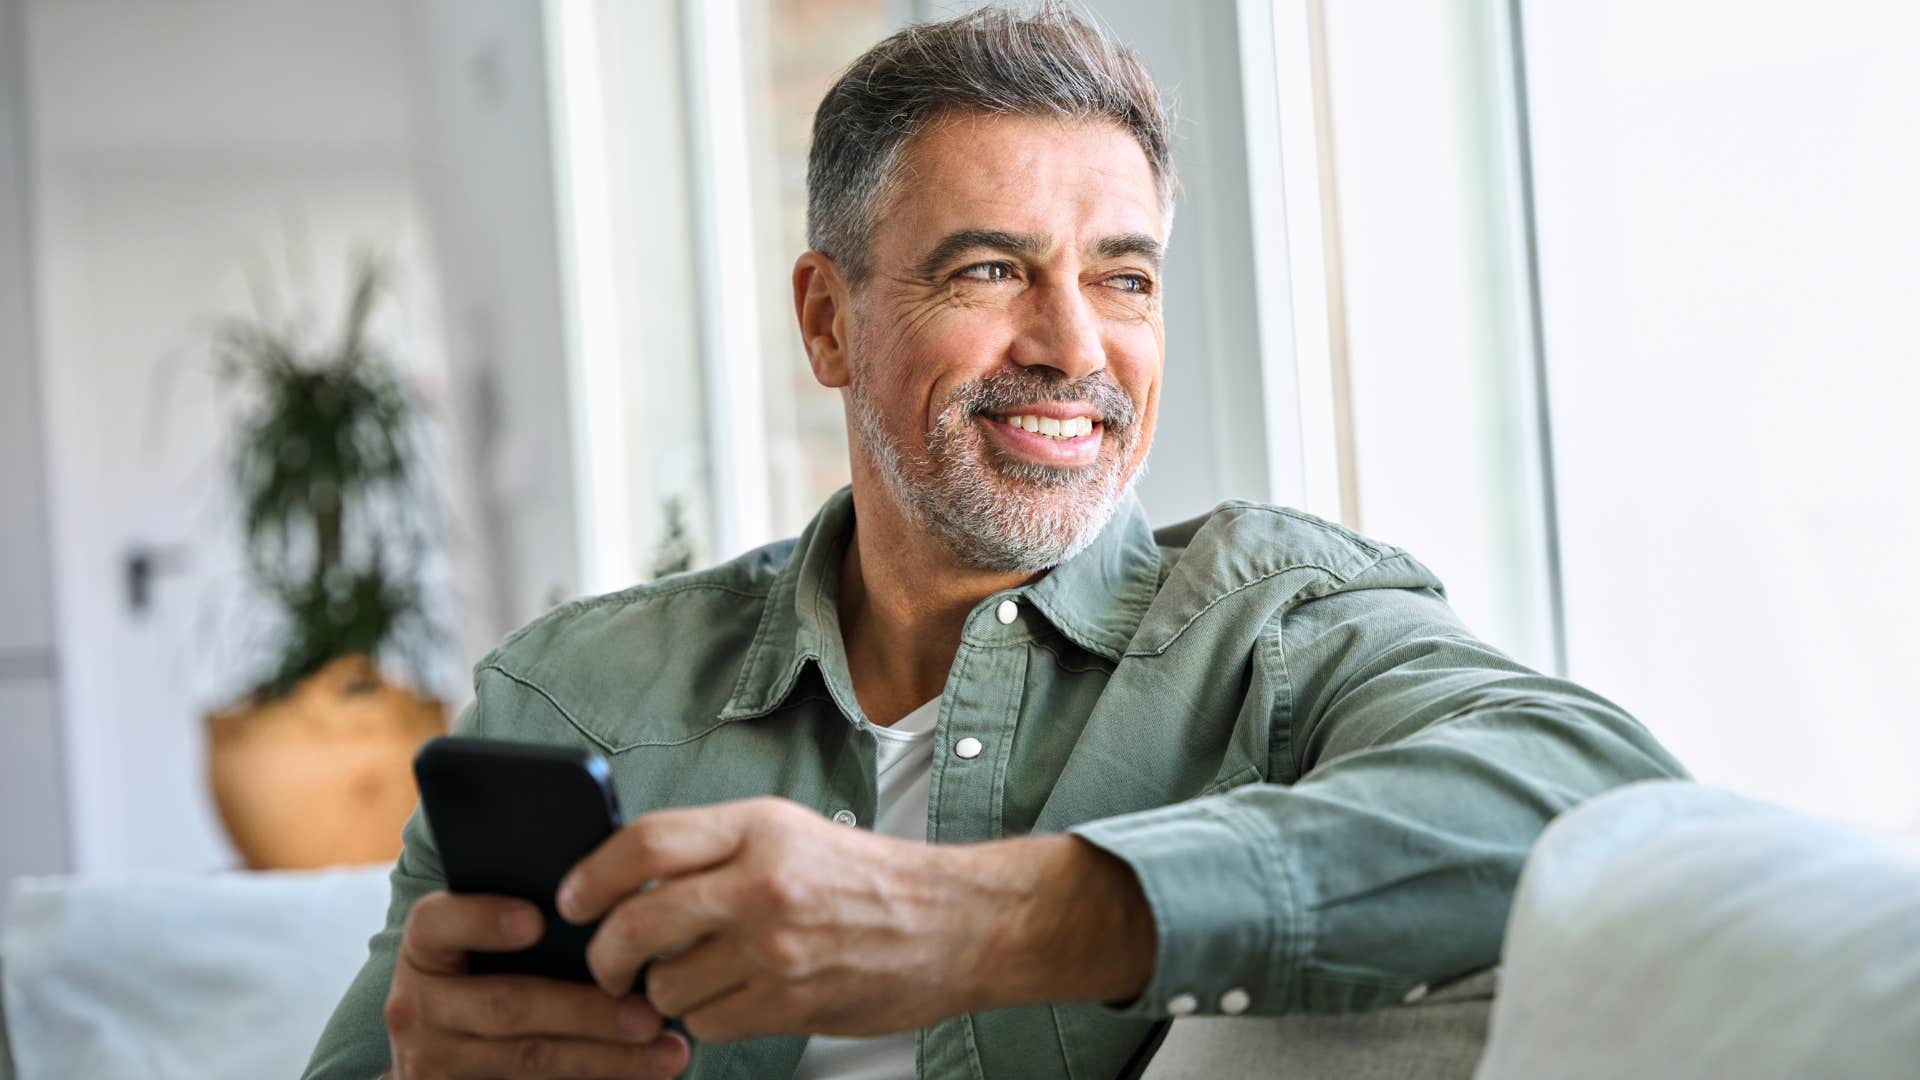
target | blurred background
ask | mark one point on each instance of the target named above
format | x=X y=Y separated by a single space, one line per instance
x=1603 y=311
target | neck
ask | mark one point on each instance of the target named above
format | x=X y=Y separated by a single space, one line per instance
x=903 y=602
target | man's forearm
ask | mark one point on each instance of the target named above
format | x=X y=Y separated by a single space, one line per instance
x=1074 y=924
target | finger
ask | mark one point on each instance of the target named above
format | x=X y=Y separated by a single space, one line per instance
x=655 y=846
x=581 y=1059
x=711 y=969
x=678 y=913
x=442 y=928
x=504 y=1005
x=742 y=1014
x=667 y=1046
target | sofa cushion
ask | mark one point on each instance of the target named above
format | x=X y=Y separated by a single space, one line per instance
x=217 y=975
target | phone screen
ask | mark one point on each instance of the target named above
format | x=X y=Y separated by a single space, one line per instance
x=510 y=819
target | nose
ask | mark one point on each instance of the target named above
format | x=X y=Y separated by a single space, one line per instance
x=1060 y=331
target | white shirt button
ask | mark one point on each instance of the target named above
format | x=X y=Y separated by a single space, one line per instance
x=1235 y=1001
x=968 y=747
x=1182 y=1005
x=1414 y=994
x=1007 y=612
x=845 y=817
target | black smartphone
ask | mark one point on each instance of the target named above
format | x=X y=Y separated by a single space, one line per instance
x=510 y=819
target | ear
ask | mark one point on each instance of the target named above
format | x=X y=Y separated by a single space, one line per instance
x=824 y=307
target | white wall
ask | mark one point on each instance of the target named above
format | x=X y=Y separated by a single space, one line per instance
x=179 y=156
x=33 y=839
x=185 y=156
x=1728 y=229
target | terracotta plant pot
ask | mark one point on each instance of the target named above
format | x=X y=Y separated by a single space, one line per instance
x=323 y=776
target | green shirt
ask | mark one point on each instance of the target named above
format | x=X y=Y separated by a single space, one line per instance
x=1324 y=782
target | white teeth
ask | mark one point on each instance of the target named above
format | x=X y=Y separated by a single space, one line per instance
x=1070 y=428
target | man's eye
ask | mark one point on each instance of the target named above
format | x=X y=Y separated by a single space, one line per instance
x=1134 y=283
x=987 y=271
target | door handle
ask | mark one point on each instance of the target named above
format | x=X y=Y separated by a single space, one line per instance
x=142 y=563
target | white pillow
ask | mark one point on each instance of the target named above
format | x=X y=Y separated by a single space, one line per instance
x=216 y=975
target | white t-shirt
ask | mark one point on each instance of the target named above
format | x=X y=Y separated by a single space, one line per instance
x=905 y=765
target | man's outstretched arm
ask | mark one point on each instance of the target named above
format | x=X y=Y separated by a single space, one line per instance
x=1427 y=763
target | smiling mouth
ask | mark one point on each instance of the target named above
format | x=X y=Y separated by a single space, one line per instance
x=1052 y=427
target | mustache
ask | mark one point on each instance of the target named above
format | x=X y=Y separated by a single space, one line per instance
x=1002 y=391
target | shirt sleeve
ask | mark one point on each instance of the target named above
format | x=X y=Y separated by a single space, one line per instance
x=353 y=1045
x=1426 y=763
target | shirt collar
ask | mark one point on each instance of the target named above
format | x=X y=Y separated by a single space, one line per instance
x=1096 y=599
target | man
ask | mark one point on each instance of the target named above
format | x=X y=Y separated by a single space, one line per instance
x=1098 y=776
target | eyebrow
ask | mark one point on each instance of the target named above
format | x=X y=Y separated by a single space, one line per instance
x=1030 y=245
x=1125 y=244
x=952 y=245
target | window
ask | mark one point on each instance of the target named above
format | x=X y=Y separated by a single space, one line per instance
x=683 y=133
x=1726 y=232
x=793 y=52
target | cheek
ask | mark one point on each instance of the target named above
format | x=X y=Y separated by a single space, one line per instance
x=1149 y=405
x=1134 y=361
x=964 y=338
x=886 y=366
x=951 y=349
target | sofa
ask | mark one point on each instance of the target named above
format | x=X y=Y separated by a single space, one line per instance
x=1665 y=929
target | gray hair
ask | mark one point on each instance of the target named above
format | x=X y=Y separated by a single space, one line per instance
x=992 y=60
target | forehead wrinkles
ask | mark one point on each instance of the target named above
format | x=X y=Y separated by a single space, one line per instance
x=984 y=164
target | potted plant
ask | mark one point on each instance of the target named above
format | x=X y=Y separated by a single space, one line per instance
x=312 y=766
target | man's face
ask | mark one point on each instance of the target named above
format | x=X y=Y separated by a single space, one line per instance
x=1015 y=285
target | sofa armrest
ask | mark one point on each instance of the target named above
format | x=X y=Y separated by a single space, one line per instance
x=1677 y=930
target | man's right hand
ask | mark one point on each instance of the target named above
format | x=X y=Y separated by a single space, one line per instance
x=443 y=1022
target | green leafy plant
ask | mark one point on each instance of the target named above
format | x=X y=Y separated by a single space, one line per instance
x=334 y=503
x=673 y=552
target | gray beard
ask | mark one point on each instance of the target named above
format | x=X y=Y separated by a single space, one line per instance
x=993 y=513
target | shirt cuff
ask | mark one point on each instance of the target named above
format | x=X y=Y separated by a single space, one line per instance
x=1225 y=919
